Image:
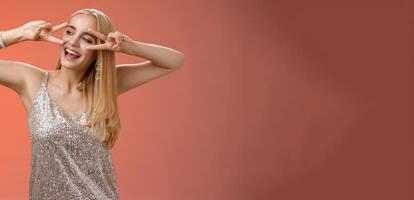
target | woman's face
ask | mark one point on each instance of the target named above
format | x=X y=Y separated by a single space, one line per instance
x=74 y=54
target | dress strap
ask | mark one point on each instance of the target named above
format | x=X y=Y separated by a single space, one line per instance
x=44 y=79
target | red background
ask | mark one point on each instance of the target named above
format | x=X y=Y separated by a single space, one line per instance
x=283 y=100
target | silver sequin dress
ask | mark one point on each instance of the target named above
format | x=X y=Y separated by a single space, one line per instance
x=67 y=162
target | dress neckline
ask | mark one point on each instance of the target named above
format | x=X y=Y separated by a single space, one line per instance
x=62 y=111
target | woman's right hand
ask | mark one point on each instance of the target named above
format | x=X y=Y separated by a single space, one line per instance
x=41 y=31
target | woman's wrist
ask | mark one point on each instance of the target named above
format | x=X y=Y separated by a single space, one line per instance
x=12 y=36
x=2 y=45
x=127 y=45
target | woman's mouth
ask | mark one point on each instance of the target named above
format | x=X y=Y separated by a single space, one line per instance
x=71 y=55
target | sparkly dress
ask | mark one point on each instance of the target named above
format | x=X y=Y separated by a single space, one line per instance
x=67 y=162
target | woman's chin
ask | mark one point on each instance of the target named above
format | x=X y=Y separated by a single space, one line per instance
x=70 y=65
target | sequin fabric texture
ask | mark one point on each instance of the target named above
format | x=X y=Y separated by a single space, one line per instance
x=68 y=162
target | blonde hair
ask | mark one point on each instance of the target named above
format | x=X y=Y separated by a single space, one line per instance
x=101 y=95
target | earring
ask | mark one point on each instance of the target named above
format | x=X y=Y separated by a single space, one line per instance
x=98 y=72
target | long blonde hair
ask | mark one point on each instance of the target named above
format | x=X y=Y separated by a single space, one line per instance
x=101 y=95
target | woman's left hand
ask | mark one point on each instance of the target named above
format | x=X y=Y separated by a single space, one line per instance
x=115 y=41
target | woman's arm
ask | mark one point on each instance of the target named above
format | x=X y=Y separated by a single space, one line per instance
x=160 y=60
x=11 y=71
x=35 y=30
x=161 y=56
x=12 y=36
x=14 y=74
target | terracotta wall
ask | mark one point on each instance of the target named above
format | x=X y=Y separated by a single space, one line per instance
x=283 y=100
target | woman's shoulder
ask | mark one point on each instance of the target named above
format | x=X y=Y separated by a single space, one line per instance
x=33 y=77
x=34 y=74
x=37 y=73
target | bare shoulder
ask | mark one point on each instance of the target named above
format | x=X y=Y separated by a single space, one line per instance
x=32 y=76
x=21 y=77
x=13 y=74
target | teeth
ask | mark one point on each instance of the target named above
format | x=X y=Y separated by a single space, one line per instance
x=72 y=52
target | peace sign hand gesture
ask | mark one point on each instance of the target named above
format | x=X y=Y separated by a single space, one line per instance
x=41 y=31
x=115 y=41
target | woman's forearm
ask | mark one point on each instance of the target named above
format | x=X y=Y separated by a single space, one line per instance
x=12 y=36
x=159 y=55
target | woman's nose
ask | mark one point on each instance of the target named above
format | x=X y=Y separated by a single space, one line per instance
x=73 y=42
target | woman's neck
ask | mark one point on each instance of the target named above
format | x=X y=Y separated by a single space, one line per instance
x=67 y=80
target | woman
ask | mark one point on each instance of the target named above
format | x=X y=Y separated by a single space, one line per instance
x=72 y=110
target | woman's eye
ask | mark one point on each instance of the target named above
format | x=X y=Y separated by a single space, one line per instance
x=88 y=41
x=68 y=32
